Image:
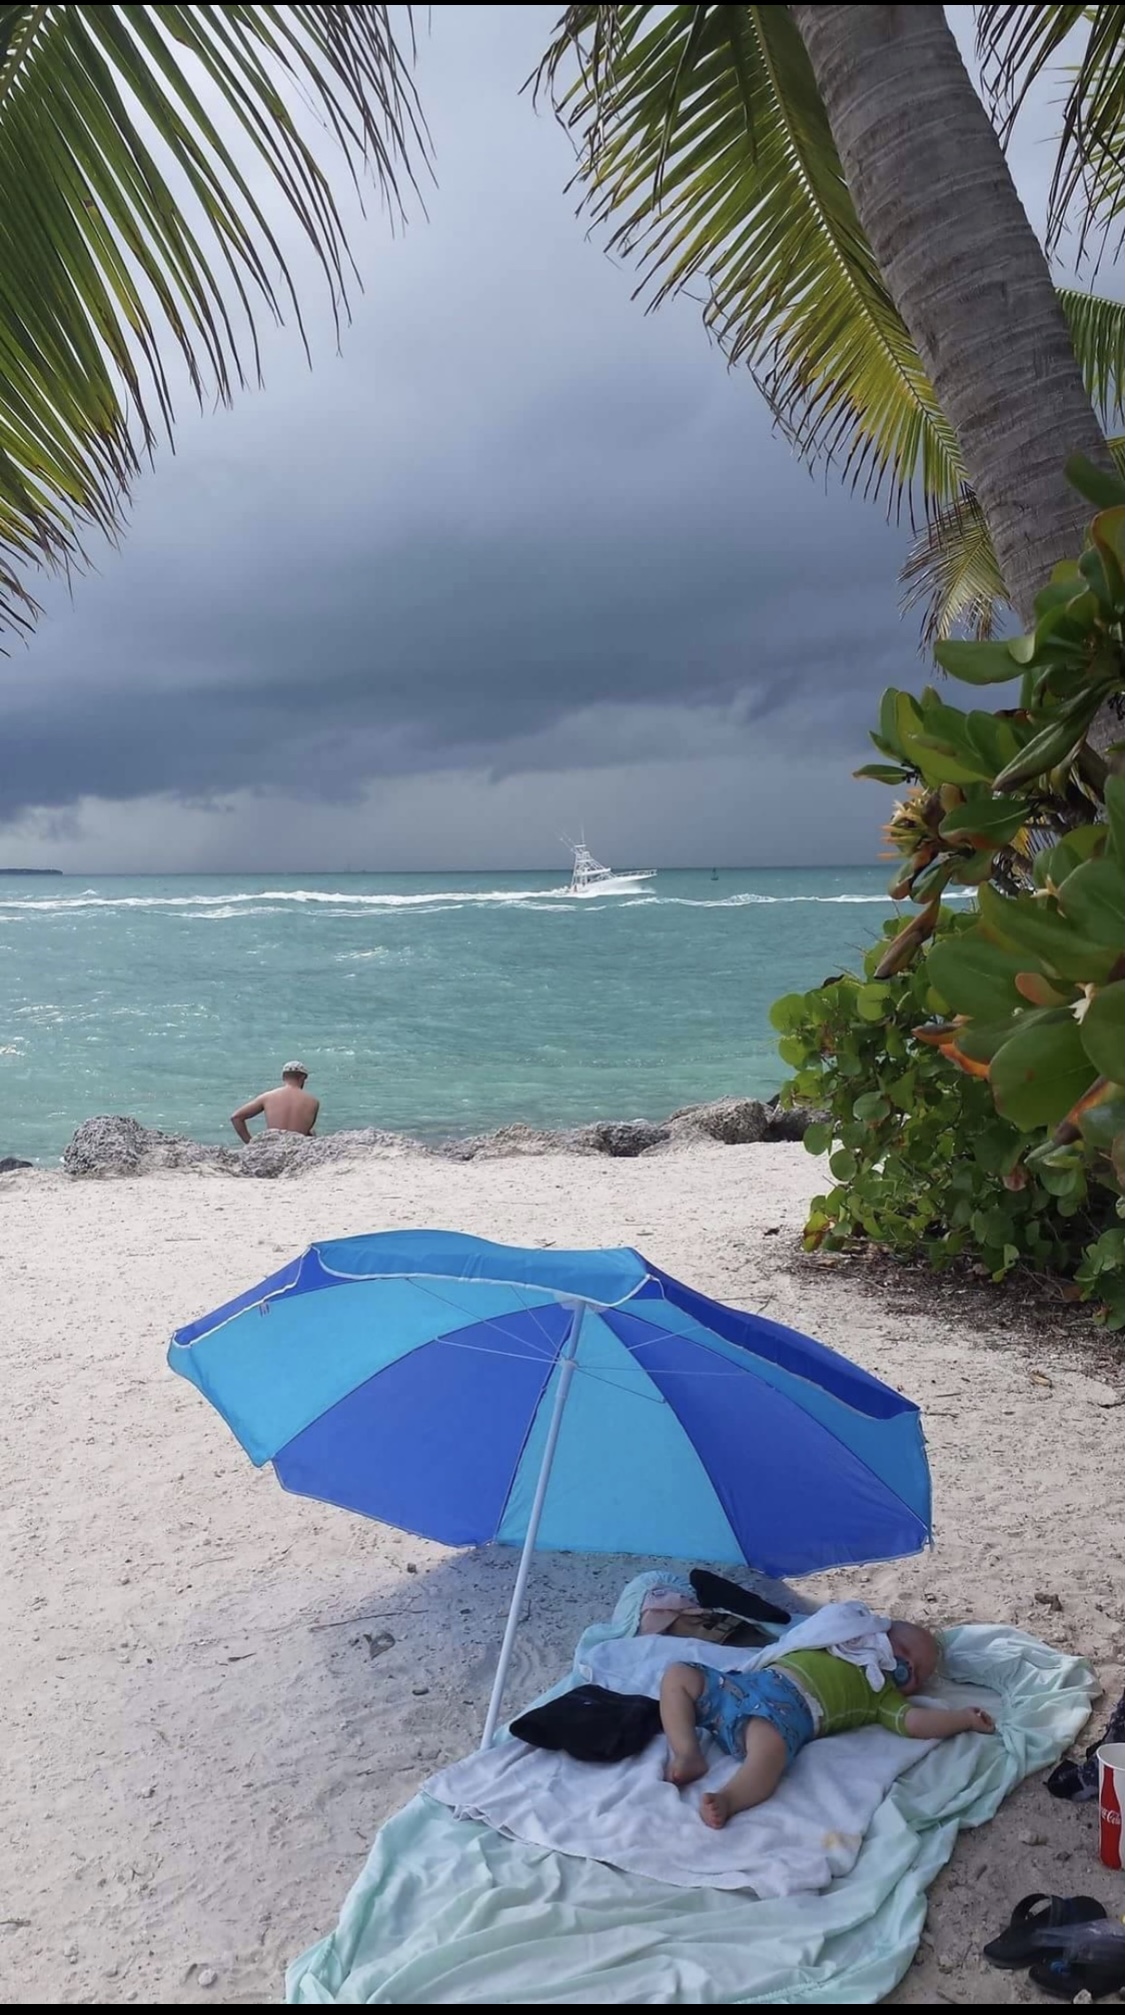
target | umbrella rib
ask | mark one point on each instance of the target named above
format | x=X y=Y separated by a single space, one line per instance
x=483 y=1321
x=530 y=1309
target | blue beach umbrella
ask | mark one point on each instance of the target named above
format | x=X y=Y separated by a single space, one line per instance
x=581 y=1401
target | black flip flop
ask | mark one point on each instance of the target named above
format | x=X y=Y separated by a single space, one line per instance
x=1065 y=1978
x=1023 y=1940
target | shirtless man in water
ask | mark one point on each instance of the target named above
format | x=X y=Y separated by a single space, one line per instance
x=289 y=1109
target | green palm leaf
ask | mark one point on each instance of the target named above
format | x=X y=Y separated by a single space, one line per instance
x=704 y=147
x=952 y=570
x=1097 y=330
x=1017 y=45
x=130 y=141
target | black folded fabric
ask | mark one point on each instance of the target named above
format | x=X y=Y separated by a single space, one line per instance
x=716 y=1592
x=593 y=1724
x=1079 y=1781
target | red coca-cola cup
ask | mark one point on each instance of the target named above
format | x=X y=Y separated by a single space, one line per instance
x=1111 y=1798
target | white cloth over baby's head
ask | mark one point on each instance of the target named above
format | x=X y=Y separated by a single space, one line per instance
x=849 y=1630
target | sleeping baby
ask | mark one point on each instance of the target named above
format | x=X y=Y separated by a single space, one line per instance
x=765 y=1717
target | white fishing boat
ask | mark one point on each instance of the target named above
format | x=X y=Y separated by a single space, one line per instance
x=590 y=878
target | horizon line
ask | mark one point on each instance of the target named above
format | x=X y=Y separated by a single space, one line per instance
x=520 y=868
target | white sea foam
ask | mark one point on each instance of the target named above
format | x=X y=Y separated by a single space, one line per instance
x=348 y=901
x=265 y=902
x=225 y=912
x=749 y=897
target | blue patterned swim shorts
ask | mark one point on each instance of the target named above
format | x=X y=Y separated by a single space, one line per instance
x=730 y=1699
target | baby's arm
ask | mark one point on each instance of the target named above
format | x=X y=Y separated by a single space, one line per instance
x=927 y=1724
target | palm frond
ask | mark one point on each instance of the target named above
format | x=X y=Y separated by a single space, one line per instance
x=1097 y=330
x=130 y=228
x=952 y=570
x=1017 y=45
x=704 y=146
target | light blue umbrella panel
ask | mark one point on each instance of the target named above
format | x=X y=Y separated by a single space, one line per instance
x=581 y=1401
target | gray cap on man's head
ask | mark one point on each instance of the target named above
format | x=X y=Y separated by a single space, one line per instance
x=294 y=1070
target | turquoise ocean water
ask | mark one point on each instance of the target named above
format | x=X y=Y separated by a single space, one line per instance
x=431 y=1004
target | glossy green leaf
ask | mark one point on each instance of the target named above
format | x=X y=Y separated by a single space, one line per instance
x=1108 y=534
x=789 y=1012
x=1041 y=1071
x=1021 y=923
x=997 y=1148
x=1054 y=864
x=1062 y=1178
x=974 y=976
x=817 y=1138
x=977 y=868
x=871 y=1003
x=1099 y=573
x=1093 y=900
x=938 y=764
x=977 y=664
x=932 y=880
x=888 y=719
x=1100 y=1124
x=1023 y=649
x=1066 y=580
x=1056 y=743
x=1115 y=816
x=996 y=819
x=1099 y=486
x=906 y=713
x=883 y=773
x=995 y=739
x=980 y=1039
x=1108 y=1250
x=871 y=1105
x=1103 y=1031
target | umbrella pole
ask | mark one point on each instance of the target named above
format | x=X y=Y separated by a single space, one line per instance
x=566 y=1373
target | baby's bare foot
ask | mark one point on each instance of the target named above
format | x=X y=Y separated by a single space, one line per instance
x=714 y=1809
x=684 y=1767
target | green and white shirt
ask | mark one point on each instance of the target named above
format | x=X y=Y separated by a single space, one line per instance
x=842 y=1694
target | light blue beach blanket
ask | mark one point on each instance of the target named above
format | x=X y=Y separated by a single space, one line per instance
x=447 y=1910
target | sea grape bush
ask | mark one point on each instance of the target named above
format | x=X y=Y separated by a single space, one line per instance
x=975 y=1071
x=920 y=1158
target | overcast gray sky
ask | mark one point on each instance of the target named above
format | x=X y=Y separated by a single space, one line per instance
x=520 y=559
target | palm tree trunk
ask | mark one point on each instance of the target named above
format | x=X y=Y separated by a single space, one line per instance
x=933 y=193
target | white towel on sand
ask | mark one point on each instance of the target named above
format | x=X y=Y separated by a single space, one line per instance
x=810 y=1831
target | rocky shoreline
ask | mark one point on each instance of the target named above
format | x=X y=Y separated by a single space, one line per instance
x=115 y=1145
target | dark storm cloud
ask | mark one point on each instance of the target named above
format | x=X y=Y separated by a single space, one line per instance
x=516 y=527
x=367 y=669
x=313 y=626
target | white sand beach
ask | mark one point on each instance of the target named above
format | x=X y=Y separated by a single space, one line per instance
x=201 y=1732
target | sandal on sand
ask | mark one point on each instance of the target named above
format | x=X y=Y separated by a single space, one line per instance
x=1066 y=1978
x=1033 y=1916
